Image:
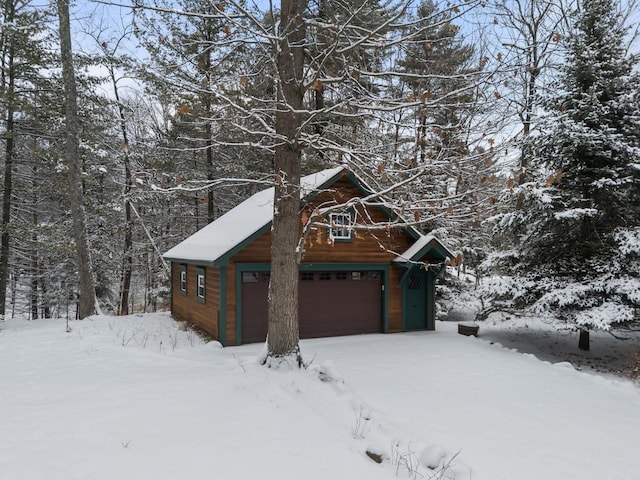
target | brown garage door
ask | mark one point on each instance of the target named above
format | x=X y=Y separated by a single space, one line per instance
x=331 y=304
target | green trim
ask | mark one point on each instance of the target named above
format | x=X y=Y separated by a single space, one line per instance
x=441 y=252
x=313 y=267
x=198 y=263
x=171 y=287
x=222 y=307
x=409 y=267
x=201 y=272
x=223 y=260
x=240 y=268
x=183 y=269
x=429 y=305
x=430 y=296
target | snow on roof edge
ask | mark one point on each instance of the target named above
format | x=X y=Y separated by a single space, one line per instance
x=418 y=245
x=213 y=241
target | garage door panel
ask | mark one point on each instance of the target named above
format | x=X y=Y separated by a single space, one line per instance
x=330 y=304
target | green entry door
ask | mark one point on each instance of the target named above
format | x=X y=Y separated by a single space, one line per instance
x=415 y=300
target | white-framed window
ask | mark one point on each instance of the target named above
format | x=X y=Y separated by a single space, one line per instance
x=183 y=279
x=200 y=285
x=341 y=226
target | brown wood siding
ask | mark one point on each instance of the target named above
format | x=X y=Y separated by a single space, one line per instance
x=259 y=251
x=378 y=245
x=394 y=303
x=186 y=308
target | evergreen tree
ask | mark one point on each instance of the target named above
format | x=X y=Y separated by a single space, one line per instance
x=581 y=245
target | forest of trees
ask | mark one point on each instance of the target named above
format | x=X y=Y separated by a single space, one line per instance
x=508 y=128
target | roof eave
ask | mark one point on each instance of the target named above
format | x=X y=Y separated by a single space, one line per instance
x=442 y=253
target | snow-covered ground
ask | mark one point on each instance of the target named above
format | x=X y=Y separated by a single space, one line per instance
x=136 y=398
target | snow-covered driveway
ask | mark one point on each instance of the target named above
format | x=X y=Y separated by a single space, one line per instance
x=136 y=398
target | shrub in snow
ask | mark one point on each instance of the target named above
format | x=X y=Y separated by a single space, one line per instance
x=455 y=299
x=628 y=240
x=457 y=315
x=594 y=303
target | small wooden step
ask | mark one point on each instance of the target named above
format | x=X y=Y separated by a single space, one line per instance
x=468 y=329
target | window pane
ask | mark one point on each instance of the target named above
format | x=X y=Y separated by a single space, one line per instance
x=250 y=277
x=373 y=275
x=341 y=225
x=201 y=285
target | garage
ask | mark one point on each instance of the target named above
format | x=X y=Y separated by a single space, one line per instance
x=355 y=276
x=331 y=303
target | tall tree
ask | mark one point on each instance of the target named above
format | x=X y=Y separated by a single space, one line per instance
x=320 y=90
x=24 y=58
x=283 y=332
x=578 y=246
x=9 y=85
x=86 y=281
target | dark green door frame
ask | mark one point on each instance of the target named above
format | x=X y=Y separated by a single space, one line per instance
x=418 y=304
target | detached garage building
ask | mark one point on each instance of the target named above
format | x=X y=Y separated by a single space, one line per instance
x=362 y=270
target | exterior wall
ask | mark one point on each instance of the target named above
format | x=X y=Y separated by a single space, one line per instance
x=187 y=308
x=378 y=245
x=367 y=246
x=394 y=305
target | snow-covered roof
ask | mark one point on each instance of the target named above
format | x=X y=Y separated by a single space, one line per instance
x=422 y=245
x=241 y=222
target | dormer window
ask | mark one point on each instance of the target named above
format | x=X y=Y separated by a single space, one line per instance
x=342 y=226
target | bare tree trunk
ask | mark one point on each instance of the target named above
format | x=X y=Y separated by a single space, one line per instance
x=583 y=341
x=34 y=263
x=87 y=300
x=127 y=255
x=209 y=139
x=9 y=85
x=210 y=203
x=283 y=336
x=45 y=308
x=35 y=260
x=14 y=291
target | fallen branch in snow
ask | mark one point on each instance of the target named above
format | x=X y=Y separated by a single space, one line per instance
x=483 y=314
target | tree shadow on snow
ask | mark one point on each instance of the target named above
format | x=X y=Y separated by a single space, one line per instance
x=608 y=355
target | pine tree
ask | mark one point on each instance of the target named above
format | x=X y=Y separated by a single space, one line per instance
x=579 y=247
